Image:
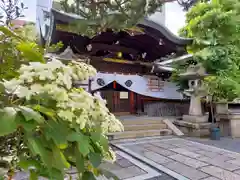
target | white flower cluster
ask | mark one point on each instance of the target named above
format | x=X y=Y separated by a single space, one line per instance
x=55 y=79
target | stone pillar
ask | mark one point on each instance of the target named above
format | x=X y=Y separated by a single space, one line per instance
x=235 y=125
x=195 y=108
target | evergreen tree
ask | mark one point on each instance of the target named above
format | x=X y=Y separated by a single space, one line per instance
x=214 y=27
x=187 y=4
x=99 y=15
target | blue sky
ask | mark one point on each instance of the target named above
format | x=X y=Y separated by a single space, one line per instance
x=174 y=15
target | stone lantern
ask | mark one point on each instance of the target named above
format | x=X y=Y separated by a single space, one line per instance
x=195 y=123
x=195 y=75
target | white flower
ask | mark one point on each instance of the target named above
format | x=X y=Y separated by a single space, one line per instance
x=25 y=68
x=27 y=76
x=54 y=79
x=36 y=66
x=66 y=115
x=46 y=74
x=55 y=64
x=11 y=85
x=23 y=92
x=36 y=88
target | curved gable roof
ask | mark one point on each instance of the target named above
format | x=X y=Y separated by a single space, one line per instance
x=147 y=23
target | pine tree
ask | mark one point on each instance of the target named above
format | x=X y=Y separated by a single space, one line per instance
x=187 y=4
x=99 y=15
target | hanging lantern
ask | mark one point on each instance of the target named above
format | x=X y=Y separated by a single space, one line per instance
x=119 y=54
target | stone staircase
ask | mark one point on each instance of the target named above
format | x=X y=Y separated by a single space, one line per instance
x=141 y=127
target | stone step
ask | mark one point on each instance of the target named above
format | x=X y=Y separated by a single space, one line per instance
x=141 y=121
x=136 y=127
x=139 y=134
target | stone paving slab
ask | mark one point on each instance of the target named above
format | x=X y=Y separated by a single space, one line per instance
x=186 y=171
x=225 y=143
x=128 y=168
x=185 y=152
x=188 y=161
x=237 y=172
x=161 y=151
x=184 y=159
x=210 y=178
x=157 y=157
x=220 y=173
x=219 y=163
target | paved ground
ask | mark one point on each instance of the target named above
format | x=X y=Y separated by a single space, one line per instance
x=128 y=168
x=134 y=118
x=169 y=158
x=125 y=167
x=225 y=143
x=185 y=159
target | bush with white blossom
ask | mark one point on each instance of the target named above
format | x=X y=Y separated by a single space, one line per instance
x=60 y=125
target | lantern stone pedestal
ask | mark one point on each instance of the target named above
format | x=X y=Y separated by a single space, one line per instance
x=196 y=122
x=193 y=129
x=235 y=125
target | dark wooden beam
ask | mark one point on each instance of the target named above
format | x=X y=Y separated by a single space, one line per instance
x=113 y=48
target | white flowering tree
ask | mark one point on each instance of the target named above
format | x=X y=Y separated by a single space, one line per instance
x=58 y=125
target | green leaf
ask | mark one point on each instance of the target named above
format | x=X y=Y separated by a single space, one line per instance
x=60 y=161
x=83 y=147
x=75 y=137
x=2 y=88
x=56 y=174
x=37 y=148
x=26 y=125
x=47 y=111
x=88 y=176
x=8 y=32
x=30 y=52
x=52 y=174
x=30 y=114
x=79 y=161
x=26 y=163
x=57 y=131
x=104 y=142
x=82 y=142
x=95 y=136
x=33 y=175
x=8 y=124
x=95 y=159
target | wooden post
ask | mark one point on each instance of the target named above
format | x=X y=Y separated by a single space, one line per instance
x=114 y=85
x=132 y=104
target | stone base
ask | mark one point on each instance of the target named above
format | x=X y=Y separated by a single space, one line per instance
x=235 y=125
x=195 y=119
x=193 y=129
